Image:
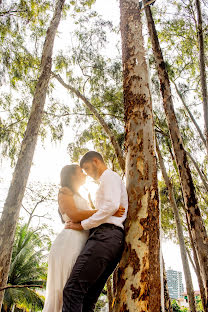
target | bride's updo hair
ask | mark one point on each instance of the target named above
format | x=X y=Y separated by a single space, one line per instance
x=67 y=174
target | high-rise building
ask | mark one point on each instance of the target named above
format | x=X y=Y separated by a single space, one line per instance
x=175 y=285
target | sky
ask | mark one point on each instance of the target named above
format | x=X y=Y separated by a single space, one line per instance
x=50 y=158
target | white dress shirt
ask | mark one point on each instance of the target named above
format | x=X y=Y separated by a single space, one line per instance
x=109 y=196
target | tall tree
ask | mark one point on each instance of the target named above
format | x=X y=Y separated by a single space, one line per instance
x=190 y=114
x=202 y=68
x=197 y=270
x=186 y=268
x=16 y=191
x=194 y=215
x=139 y=285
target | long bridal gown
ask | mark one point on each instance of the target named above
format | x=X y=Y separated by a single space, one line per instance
x=62 y=257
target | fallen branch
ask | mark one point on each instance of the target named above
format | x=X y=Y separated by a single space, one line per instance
x=19 y=286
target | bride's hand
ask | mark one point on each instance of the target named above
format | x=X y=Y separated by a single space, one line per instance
x=120 y=212
x=73 y=226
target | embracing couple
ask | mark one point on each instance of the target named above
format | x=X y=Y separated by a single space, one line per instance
x=87 y=251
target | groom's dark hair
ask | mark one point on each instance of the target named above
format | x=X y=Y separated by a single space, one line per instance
x=89 y=157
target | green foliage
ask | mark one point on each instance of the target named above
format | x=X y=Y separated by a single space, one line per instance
x=90 y=70
x=176 y=307
x=13 y=126
x=199 y=305
x=28 y=267
x=102 y=301
x=95 y=135
x=24 y=25
x=21 y=21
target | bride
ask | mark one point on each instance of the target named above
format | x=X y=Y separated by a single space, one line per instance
x=69 y=243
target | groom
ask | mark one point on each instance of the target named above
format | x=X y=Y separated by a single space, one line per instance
x=104 y=246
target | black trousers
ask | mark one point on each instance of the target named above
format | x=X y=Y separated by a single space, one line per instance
x=94 y=265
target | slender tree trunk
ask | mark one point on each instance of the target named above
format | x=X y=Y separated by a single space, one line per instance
x=202 y=69
x=110 y=294
x=194 y=215
x=198 y=273
x=199 y=171
x=168 y=305
x=100 y=119
x=190 y=259
x=190 y=114
x=139 y=285
x=15 y=195
x=186 y=268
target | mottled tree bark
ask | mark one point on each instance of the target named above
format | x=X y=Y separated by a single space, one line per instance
x=184 y=258
x=15 y=195
x=194 y=215
x=108 y=131
x=139 y=285
x=202 y=69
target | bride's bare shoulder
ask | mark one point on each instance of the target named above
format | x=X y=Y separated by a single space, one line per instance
x=65 y=191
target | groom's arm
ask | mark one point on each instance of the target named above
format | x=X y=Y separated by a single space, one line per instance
x=109 y=195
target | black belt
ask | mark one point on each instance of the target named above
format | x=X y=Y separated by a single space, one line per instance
x=108 y=225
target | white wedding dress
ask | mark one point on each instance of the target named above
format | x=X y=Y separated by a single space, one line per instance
x=62 y=257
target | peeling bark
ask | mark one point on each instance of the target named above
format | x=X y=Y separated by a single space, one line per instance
x=139 y=285
x=202 y=69
x=15 y=195
x=184 y=258
x=100 y=119
x=194 y=216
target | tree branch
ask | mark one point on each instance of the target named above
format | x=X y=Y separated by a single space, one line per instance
x=10 y=12
x=80 y=114
x=102 y=122
x=19 y=286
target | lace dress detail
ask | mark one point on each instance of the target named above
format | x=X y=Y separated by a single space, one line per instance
x=62 y=257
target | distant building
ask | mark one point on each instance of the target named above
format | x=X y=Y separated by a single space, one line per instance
x=175 y=285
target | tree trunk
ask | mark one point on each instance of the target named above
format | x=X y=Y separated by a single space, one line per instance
x=110 y=294
x=168 y=306
x=199 y=171
x=186 y=268
x=100 y=119
x=194 y=215
x=190 y=114
x=190 y=259
x=197 y=271
x=139 y=285
x=202 y=69
x=15 y=195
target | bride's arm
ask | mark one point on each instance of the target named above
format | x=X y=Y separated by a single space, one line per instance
x=67 y=205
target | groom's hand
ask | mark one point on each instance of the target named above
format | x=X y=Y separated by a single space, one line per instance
x=73 y=226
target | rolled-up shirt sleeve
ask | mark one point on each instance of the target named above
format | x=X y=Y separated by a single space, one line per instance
x=107 y=202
